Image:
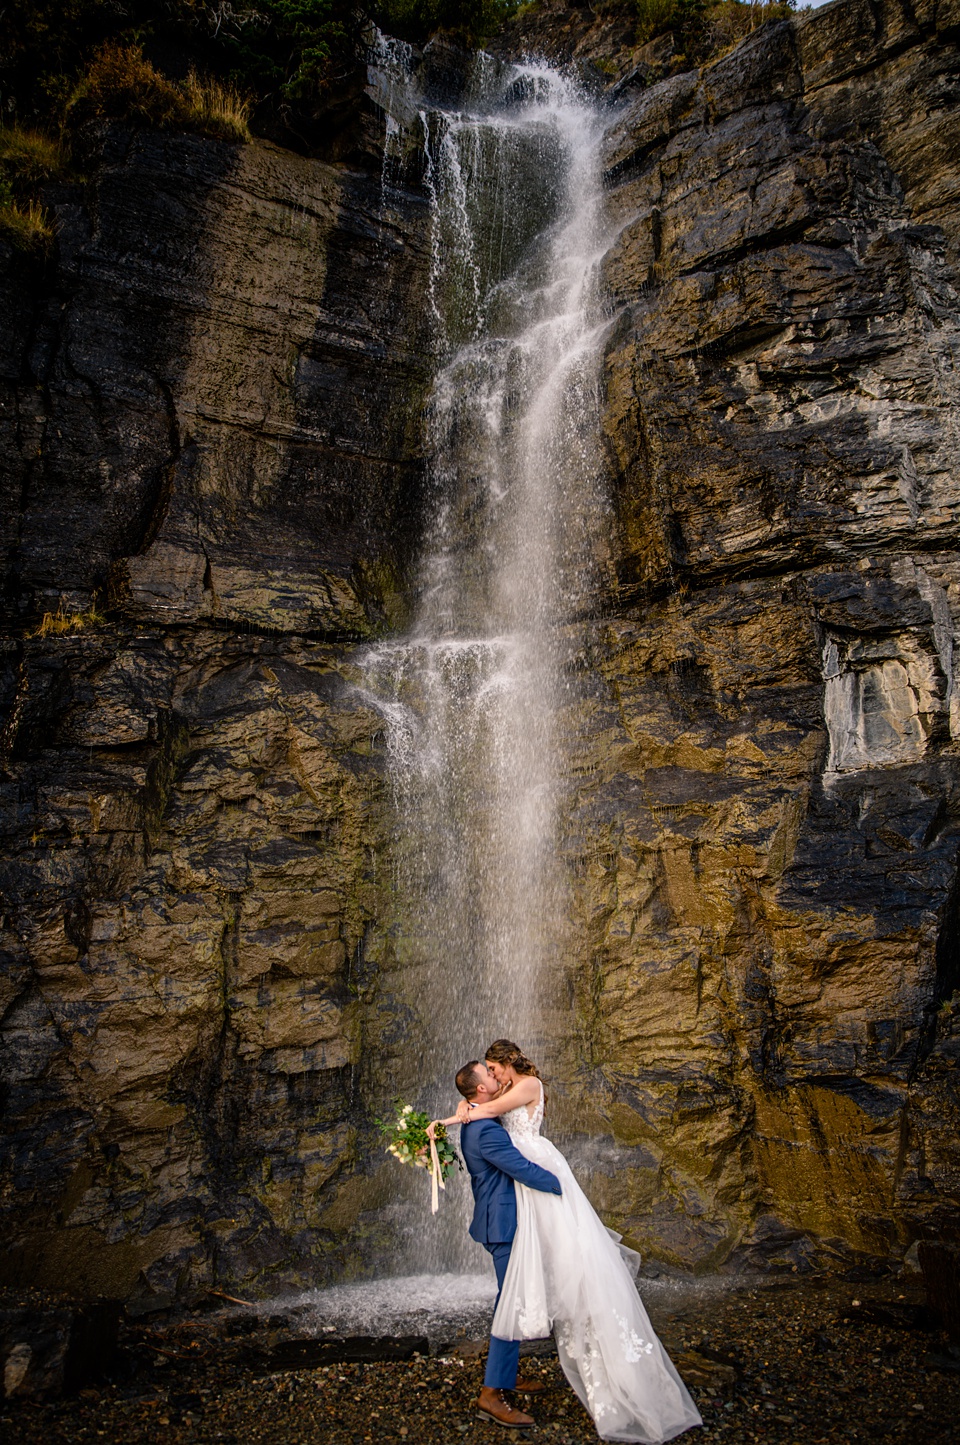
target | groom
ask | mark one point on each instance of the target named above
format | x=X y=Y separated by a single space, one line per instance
x=494 y=1163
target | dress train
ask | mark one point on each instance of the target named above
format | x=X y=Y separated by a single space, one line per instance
x=568 y=1273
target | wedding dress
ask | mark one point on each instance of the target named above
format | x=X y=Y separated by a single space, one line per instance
x=567 y=1273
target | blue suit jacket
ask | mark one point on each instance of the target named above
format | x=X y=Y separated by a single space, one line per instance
x=494 y=1163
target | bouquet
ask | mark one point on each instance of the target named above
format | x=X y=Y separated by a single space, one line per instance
x=411 y=1144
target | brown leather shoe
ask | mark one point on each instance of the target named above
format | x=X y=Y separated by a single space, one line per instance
x=530 y=1387
x=493 y=1406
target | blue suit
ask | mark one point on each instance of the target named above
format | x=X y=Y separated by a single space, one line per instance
x=494 y=1163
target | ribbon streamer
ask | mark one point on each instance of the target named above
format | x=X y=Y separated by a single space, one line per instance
x=436 y=1178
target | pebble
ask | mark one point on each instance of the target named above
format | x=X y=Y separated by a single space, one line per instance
x=784 y=1366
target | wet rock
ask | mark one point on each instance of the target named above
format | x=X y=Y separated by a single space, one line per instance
x=940 y=1264
x=47 y=1350
x=309 y=1354
x=700 y=1368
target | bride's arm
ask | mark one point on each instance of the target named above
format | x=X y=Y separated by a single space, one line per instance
x=524 y=1091
x=432 y=1127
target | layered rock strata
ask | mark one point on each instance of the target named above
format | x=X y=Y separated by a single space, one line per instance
x=211 y=418
x=768 y=839
x=210 y=428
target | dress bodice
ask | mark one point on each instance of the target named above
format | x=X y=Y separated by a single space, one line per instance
x=520 y=1125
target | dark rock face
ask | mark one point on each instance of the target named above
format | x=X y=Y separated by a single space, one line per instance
x=211 y=419
x=772 y=904
x=49 y=1349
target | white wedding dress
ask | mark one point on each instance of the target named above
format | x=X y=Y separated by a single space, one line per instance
x=567 y=1273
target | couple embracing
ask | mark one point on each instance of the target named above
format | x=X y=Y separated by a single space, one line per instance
x=558 y=1268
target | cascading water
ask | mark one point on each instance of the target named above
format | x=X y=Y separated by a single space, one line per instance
x=474 y=696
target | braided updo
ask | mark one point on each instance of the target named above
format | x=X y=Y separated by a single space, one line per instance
x=503 y=1051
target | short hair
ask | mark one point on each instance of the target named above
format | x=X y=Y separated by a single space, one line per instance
x=468 y=1079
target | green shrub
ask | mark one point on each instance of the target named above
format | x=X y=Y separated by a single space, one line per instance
x=416 y=19
x=730 y=21
x=287 y=47
x=705 y=28
x=92 y=57
x=658 y=17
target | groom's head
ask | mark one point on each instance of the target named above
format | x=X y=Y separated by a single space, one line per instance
x=475 y=1082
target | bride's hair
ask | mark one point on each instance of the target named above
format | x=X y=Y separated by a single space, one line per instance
x=502 y=1051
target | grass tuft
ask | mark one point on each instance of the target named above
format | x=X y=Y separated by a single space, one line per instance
x=25 y=224
x=55 y=624
x=216 y=108
x=30 y=156
x=121 y=84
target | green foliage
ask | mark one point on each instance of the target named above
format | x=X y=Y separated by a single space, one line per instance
x=289 y=47
x=416 y=19
x=410 y=1143
x=729 y=21
x=288 y=56
x=657 y=17
x=286 y=48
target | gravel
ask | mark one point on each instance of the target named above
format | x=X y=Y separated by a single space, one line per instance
x=808 y=1362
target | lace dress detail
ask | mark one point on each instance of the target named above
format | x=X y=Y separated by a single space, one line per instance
x=520 y=1125
x=569 y=1274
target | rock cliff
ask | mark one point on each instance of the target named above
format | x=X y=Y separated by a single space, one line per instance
x=768 y=838
x=211 y=421
x=210 y=430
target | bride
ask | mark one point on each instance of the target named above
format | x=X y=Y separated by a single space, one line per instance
x=567 y=1273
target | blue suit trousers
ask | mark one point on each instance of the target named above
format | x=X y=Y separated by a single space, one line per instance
x=504 y=1356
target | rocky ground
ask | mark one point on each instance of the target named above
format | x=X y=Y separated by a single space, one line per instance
x=779 y=1361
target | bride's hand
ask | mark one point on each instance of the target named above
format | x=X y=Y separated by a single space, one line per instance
x=432 y=1129
x=463 y=1112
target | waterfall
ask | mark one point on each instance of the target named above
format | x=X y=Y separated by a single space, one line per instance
x=476 y=695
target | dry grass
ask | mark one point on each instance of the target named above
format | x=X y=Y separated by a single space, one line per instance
x=730 y=21
x=707 y=30
x=120 y=83
x=26 y=224
x=55 y=624
x=217 y=108
x=29 y=155
x=28 y=158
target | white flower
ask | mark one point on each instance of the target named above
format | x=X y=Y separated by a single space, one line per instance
x=408 y=1108
x=402 y=1124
